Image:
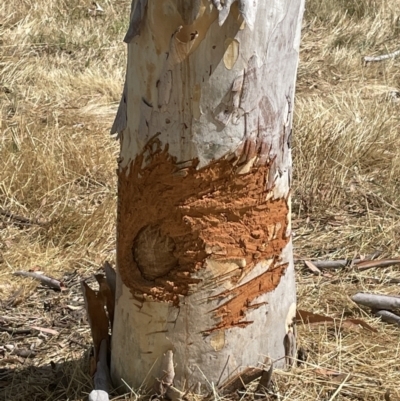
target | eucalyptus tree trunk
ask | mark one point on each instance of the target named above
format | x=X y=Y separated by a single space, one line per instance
x=205 y=285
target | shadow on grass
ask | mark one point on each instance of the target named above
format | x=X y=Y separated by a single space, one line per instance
x=69 y=380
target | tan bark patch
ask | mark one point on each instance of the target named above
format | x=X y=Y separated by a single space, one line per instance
x=231 y=52
x=192 y=216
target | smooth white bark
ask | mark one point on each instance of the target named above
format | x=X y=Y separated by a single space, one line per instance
x=205 y=82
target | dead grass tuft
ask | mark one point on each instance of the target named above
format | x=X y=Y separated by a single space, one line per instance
x=61 y=75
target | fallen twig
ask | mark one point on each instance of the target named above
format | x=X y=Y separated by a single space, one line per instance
x=24 y=353
x=388 y=317
x=381 y=281
x=334 y=264
x=339 y=389
x=46 y=330
x=369 y=264
x=340 y=263
x=15 y=331
x=49 y=281
x=312 y=267
x=377 y=302
x=19 y=220
x=383 y=57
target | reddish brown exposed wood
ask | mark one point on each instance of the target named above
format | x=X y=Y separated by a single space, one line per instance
x=210 y=213
x=232 y=312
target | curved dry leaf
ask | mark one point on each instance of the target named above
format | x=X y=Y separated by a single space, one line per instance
x=315 y=318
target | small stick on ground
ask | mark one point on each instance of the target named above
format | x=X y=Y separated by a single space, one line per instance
x=18 y=220
x=388 y=56
x=15 y=331
x=365 y=265
x=312 y=267
x=340 y=263
x=49 y=281
x=334 y=264
x=377 y=302
x=388 y=317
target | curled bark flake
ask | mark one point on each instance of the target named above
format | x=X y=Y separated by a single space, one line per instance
x=137 y=14
x=121 y=118
x=266 y=378
x=146 y=111
x=224 y=11
x=229 y=106
x=107 y=296
x=217 y=4
x=97 y=317
x=247 y=8
x=315 y=318
x=181 y=44
x=240 y=380
x=189 y=10
x=167 y=374
x=164 y=86
x=111 y=277
x=289 y=343
x=262 y=133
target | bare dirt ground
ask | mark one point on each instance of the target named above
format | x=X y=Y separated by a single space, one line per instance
x=61 y=76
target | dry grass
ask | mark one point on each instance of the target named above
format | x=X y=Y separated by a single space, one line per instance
x=61 y=73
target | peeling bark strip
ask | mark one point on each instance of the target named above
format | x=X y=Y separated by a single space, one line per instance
x=137 y=14
x=121 y=118
x=234 y=311
x=173 y=219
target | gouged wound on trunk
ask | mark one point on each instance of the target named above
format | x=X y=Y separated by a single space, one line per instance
x=233 y=312
x=170 y=225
